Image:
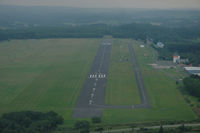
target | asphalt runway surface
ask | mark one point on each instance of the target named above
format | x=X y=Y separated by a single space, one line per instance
x=92 y=97
x=145 y=102
x=91 y=101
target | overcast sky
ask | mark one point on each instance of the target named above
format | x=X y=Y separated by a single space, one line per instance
x=108 y=3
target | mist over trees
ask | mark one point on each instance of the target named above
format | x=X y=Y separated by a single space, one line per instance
x=177 y=29
x=22 y=16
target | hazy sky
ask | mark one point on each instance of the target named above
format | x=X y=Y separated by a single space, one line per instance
x=109 y=3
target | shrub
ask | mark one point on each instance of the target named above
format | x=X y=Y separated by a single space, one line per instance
x=96 y=120
x=82 y=125
x=29 y=121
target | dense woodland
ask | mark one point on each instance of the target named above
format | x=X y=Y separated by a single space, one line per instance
x=134 y=30
x=192 y=85
x=178 y=29
x=184 y=41
x=29 y=122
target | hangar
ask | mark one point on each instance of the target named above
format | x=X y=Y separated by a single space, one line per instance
x=193 y=70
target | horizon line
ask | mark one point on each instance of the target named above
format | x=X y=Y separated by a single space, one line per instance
x=101 y=7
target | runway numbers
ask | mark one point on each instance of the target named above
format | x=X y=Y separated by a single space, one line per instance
x=97 y=76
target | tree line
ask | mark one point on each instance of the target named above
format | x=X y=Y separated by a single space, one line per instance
x=29 y=122
x=175 y=39
x=192 y=85
x=140 y=31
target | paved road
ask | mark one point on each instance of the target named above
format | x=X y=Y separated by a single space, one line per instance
x=145 y=102
x=140 y=83
x=92 y=97
x=150 y=127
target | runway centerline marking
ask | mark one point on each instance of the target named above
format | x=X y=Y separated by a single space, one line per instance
x=91 y=101
x=102 y=59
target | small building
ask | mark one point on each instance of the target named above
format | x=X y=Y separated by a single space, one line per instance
x=176 y=58
x=193 y=70
x=160 y=45
x=142 y=46
x=183 y=61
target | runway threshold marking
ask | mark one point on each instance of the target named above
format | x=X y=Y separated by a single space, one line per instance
x=93 y=90
x=97 y=76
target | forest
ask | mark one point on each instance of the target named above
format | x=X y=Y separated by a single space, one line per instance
x=184 y=40
x=29 y=122
x=178 y=29
x=192 y=85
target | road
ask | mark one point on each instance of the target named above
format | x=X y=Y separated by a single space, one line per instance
x=145 y=102
x=149 y=127
x=92 y=97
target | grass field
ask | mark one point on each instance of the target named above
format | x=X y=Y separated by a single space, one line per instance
x=48 y=74
x=44 y=74
x=167 y=102
x=121 y=87
x=177 y=73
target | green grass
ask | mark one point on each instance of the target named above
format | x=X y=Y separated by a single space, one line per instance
x=178 y=72
x=48 y=74
x=167 y=102
x=121 y=87
x=45 y=74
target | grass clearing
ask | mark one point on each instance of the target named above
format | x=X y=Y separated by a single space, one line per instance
x=166 y=100
x=121 y=87
x=177 y=73
x=48 y=74
x=45 y=74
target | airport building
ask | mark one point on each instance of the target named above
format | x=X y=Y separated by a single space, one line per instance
x=193 y=70
x=176 y=58
x=160 y=45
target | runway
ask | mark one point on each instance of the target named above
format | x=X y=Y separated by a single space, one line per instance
x=91 y=101
x=93 y=91
x=145 y=102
